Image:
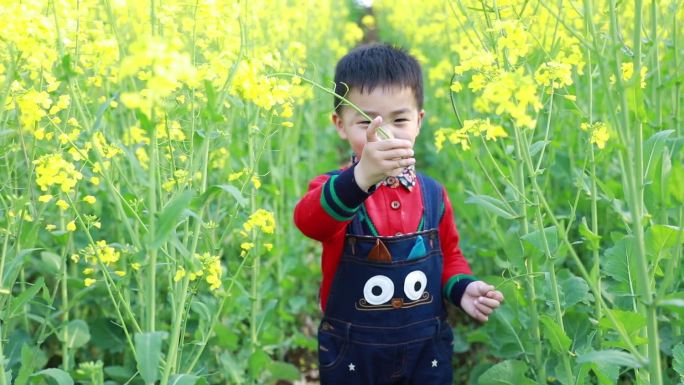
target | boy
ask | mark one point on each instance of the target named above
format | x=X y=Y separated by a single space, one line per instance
x=390 y=244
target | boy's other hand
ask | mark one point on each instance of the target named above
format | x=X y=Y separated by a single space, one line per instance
x=480 y=299
x=381 y=158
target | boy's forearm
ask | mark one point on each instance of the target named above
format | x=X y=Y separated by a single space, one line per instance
x=329 y=205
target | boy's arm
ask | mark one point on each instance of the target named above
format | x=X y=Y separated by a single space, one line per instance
x=328 y=206
x=456 y=275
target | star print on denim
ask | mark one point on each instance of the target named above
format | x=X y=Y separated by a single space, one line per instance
x=434 y=363
x=406 y=179
x=352 y=367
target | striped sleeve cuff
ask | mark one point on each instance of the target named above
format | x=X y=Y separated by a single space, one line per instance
x=456 y=286
x=342 y=196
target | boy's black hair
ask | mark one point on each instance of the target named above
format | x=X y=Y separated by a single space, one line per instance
x=372 y=65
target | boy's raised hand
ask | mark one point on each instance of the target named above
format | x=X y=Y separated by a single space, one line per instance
x=480 y=299
x=381 y=158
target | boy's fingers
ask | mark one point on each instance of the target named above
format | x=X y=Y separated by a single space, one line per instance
x=479 y=316
x=392 y=144
x=484 y=309
x=484 y=288
x=398 y=164
x=489 y=302
x=397 y=153
x=371 y=132
x=495 y=294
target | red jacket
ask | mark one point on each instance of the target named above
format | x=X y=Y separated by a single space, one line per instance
x=331 y=202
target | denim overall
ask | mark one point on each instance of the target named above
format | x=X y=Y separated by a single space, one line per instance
x=385 y=320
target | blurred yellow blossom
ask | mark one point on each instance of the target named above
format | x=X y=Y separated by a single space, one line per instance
x=261 y=219
x=52 y=169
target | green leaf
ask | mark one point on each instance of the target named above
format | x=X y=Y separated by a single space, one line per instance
x=659 y=237
x=607 y=374
x=536 y=240
x=52 y=263
x=117 y=373
x=283 y=371
x=615 y=357
x=148 y=347
x=493 y=205
x=186 y=379
x=58 y=375
x=75 y=334
x=510 y=372
x=678 y=359
x=560 y=343
x=216 y=189
x=632 y=322
x=22 y=299
x=28 y=364
x=258 y=361
x=169 y=218
x=592 y=238
x=616 y=259
x=653 y=149
x=673 y=302
x=574 y=289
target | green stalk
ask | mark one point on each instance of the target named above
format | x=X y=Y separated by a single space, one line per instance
x=180 y=314
x=549 y=258
x=583 y=271
x=636 y=203
x=656 y=64
x=529 y=264
x=152 y=210
x=3 y=379
x=594 y=191
x=175 y=333
x=381 y=131
x=65 y=299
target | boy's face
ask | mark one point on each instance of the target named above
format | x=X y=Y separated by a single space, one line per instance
x=396 y=105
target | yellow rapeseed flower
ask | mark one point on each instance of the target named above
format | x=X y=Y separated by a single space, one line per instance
x=261 y=219
x=62 y=204
x=89 y=199
x=180 y=273
x=53 y=169
x=71 y=226
x=88 y=282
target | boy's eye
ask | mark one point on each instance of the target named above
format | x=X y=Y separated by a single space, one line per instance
x=364 y=122
x=401 y=120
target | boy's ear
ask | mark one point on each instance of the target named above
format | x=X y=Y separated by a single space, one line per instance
x=421 y=115
x=339 y=126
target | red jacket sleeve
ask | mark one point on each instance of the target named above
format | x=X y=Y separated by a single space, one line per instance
x=329 y=205
x=311 y=218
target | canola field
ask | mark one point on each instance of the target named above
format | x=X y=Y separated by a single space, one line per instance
x=152 y=152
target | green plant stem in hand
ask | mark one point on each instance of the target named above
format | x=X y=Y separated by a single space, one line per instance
x=385 y=134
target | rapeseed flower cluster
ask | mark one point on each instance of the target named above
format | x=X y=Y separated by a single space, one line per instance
x=474 y=127
x=53 y=169
x=210 y=268
x=99 y=253
x=599 y=133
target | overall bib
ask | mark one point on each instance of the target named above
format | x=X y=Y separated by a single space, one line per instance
x=385 y=320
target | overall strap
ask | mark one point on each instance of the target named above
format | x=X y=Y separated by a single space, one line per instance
x=433 y=201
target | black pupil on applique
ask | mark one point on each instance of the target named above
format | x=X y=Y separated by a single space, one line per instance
x=417 y=286
x=377 y=290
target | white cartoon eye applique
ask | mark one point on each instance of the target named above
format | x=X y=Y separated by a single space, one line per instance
x=378 y=289
x=415 y=284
